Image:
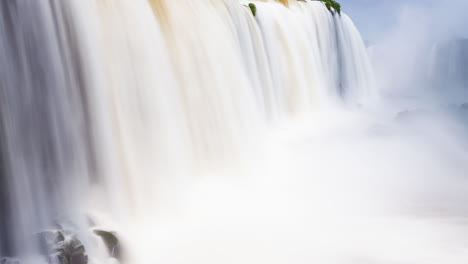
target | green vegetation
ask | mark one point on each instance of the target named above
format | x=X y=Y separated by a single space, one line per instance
x=253 y=8
x=332 y=4
x=111 y=241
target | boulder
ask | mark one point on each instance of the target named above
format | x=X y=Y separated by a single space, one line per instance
x=111 y=241
x=62 y=248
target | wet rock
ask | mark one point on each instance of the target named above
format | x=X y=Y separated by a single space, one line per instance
x=62 y=248
x=72 y=250
x=111 y=241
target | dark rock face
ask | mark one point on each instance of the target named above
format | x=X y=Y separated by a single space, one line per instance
x=6 y=234
x=65 y=249
x=111 y=241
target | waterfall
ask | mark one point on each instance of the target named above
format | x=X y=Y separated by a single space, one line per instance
x=111 y=109
x=46 y=148
x=447 y=64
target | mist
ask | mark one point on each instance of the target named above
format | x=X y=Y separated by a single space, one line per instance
x=403 y=35
x=381 y=183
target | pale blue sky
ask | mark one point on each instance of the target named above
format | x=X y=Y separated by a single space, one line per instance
x=374 y=18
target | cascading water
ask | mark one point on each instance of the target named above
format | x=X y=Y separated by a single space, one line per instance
x=46 y=147
x=447 y=62
x=168 y=122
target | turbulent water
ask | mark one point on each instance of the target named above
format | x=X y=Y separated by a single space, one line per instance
x=200 y=133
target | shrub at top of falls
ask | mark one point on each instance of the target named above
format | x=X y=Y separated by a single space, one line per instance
x=111 y=241
x=253 y=8
x=61 y=248
x=332 y=4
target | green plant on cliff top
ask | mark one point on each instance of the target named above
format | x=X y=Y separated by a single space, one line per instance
x=253 y=8
x=332 y=4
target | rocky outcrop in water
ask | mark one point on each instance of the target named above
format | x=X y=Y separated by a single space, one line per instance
x=62 y=248
x=111 y=241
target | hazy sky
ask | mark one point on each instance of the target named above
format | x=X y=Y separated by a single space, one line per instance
x=371 y=16
x=405 y=33
x=375 y=18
